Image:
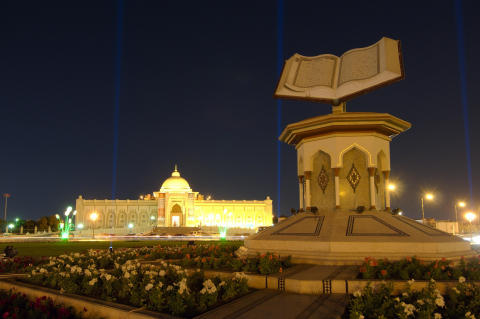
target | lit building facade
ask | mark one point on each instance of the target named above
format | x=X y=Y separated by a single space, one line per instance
x=174 y=205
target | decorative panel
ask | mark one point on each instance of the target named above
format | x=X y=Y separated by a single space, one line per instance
x=323 y=179
x=353 y=177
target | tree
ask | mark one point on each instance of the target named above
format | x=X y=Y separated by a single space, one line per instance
x=43 y=224
x=29 y=226
x=53 y=222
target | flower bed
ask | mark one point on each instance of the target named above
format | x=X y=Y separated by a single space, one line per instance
x=221 y=257
x=18 y=264
x=181 y=251
x=15 y=305
x=462 y=301
x=412 y=267
x=117 y=277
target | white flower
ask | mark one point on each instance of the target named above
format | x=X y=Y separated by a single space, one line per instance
x=170 y=287
x=108 y=277
x=420 y=302
x=470 y=315
x=240 y=276
x=92 y=282
x=456 y=290
x=148 y=287
x=408 y=309
x=88 y=273
x=208 y=287
x=411 y=281
x=130 y=285
x=405 y=294
x=436 y=315
x=183 y=286
x=161 y=273
x=439 y=301
x=241 y=252
x=126 y=275
x=357 y=293
x=461 y=279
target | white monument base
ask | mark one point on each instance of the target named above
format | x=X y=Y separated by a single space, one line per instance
x=347 y=237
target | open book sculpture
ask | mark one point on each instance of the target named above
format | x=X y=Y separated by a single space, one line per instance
x=332 y=79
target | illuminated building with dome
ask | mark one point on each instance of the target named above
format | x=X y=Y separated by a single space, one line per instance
x=174 y=205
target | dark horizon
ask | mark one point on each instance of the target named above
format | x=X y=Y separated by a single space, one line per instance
x=196 y=89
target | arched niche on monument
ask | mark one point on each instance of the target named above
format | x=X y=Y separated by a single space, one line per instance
x=380 y=180
x=144 y=218
x=111 y=219
x=132 y=218
x=176 y=213
x=354 y=180
x=100 y=220
x=323 y=182
x=122 y=219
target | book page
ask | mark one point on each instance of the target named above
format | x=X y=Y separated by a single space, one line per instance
x=359 y=64
x=316 y=71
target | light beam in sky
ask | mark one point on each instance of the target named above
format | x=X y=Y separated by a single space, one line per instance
x=279 y=102
x=116 y=112
x=463 y=89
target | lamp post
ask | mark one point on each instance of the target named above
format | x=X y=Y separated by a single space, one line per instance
x=427 y=196
x=470 y=216
x=93 y=218
x=6 y=196
x=391 y=188
x=461 y=204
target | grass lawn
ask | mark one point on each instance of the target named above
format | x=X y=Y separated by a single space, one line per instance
x=38 y=249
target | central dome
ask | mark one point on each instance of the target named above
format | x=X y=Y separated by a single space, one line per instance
x=175 y=183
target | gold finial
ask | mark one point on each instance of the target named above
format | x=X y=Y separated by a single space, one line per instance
x=176 y=170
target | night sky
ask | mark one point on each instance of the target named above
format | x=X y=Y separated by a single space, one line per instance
x=196 y=86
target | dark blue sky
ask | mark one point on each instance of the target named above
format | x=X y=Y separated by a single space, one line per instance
x=197 y=80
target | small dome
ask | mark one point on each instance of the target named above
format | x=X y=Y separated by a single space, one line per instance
x=175 y=183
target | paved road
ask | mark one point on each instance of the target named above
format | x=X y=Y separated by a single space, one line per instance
x=275 y=304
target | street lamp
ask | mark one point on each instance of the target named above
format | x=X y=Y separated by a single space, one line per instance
x=461 y=204
x=93 y=218
x=470 y=216
x=392 y=187
x=130 y=226
x=427 y=196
